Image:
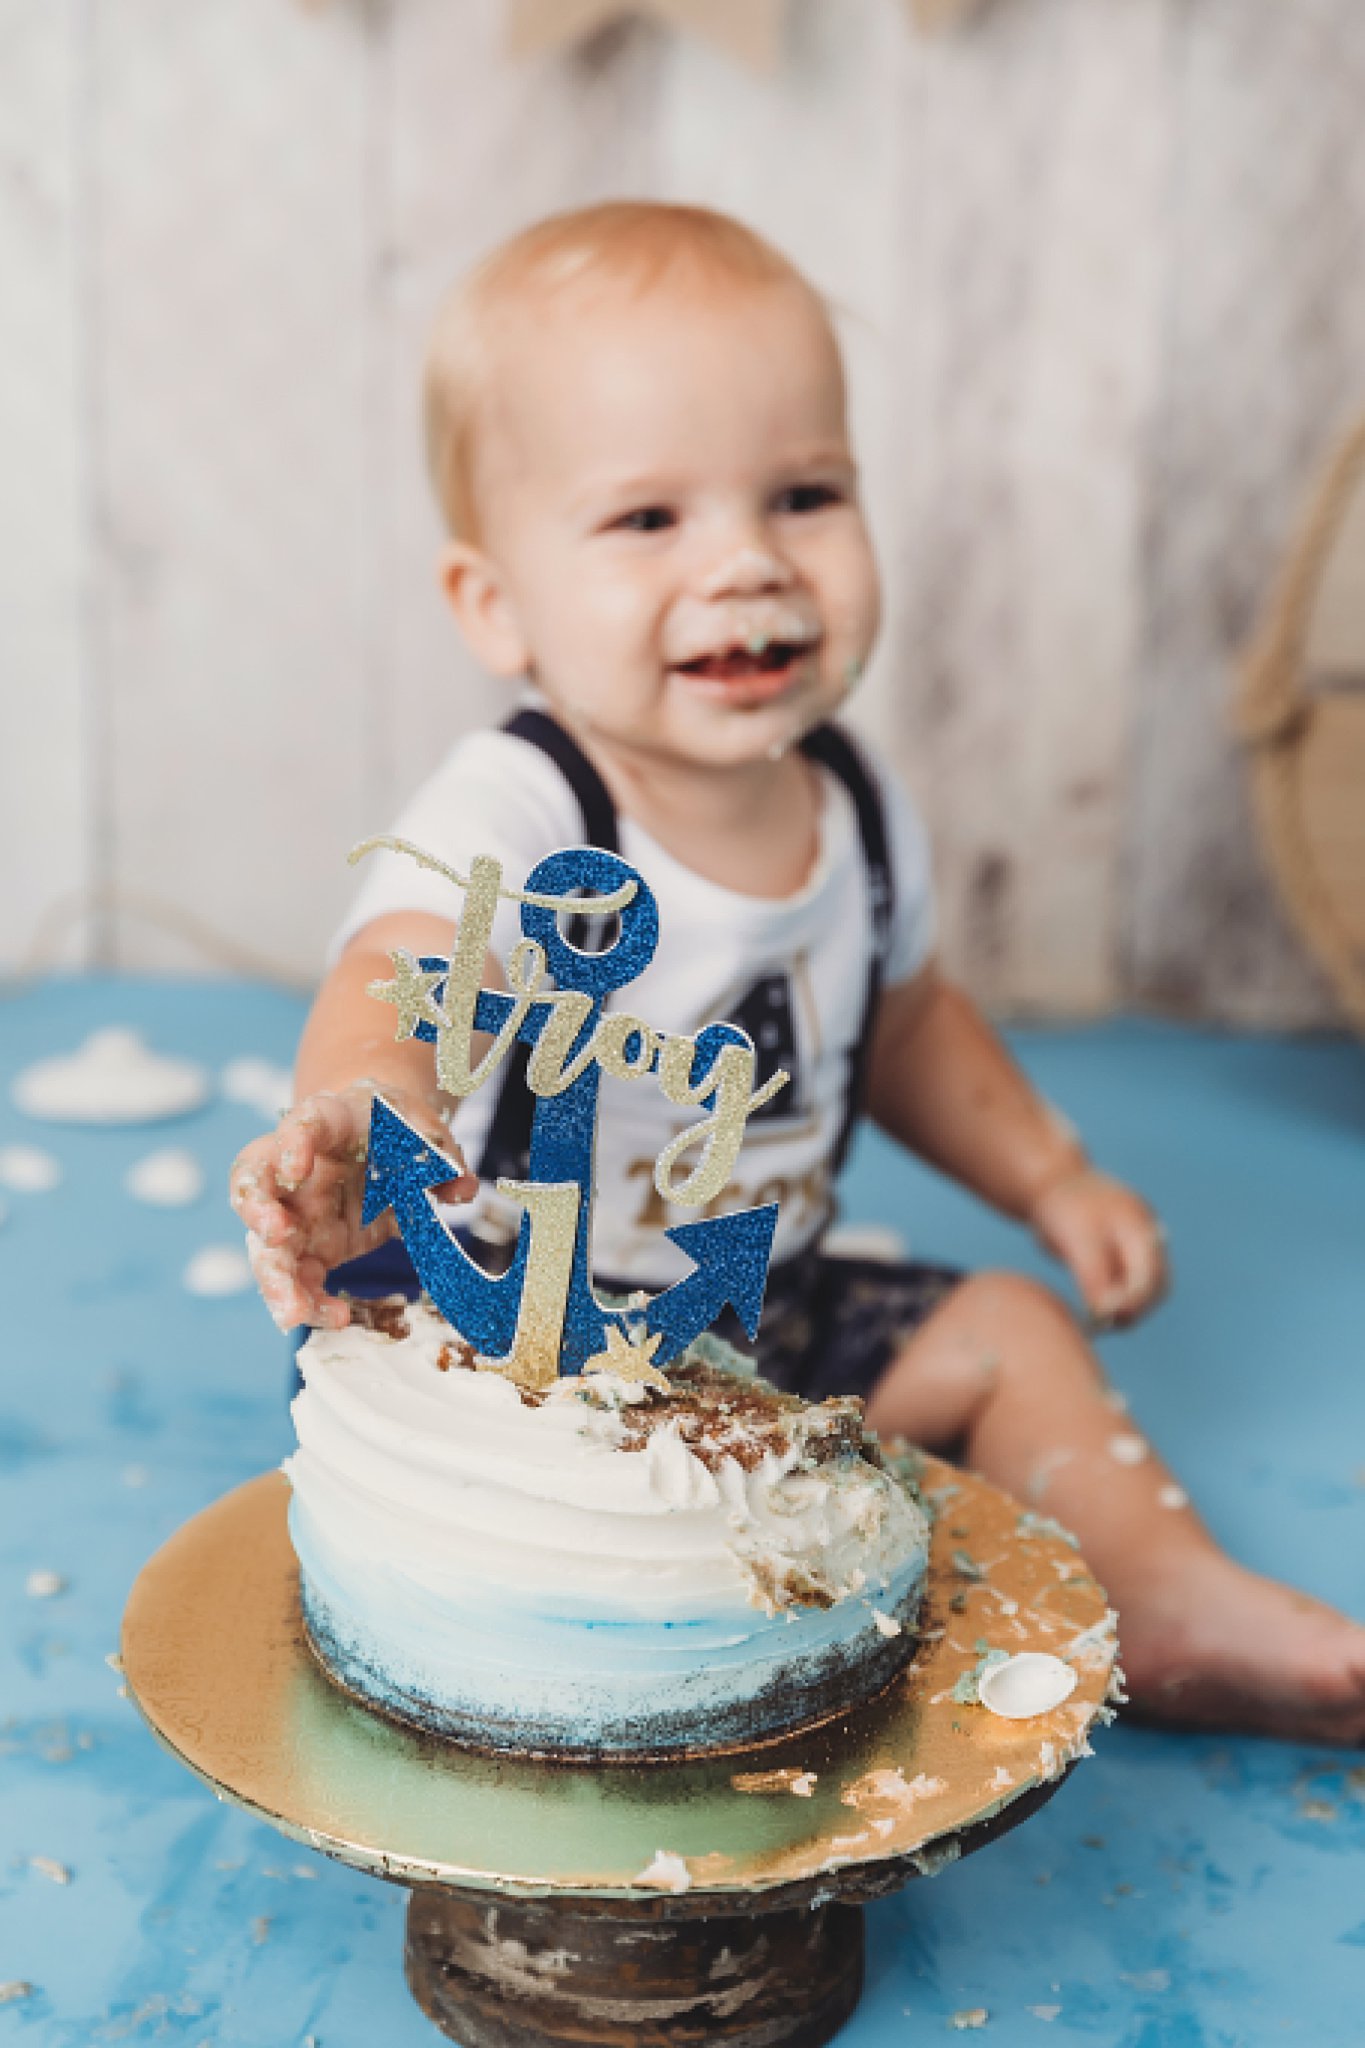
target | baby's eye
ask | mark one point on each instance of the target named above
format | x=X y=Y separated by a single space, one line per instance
x=807 y=498
x=646 y=519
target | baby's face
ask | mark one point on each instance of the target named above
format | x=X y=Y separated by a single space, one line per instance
x=670 y=503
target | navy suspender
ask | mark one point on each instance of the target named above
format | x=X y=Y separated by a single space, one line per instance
x=831 y=746
x=594 y=798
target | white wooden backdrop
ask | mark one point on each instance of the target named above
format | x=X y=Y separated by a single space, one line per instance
x=1102 y=273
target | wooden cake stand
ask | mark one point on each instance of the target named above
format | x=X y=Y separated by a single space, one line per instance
x=542 y=1908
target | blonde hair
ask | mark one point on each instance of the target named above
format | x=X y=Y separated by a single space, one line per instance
x=625 y=242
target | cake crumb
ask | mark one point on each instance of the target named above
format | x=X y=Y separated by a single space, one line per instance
x=966 y=2022
x=1128 y=1448
x=386 y=1313
x=802 y=1783
x=41 y=1585
x=720 y=1417
x=1031 y=1523
x=13 y=1988
x=260 y=1929
x=891 y=1787
x=667 y=1873
x=886 y=1624
x=457 y=1354
x=1045 y=2012
x=48 y=1866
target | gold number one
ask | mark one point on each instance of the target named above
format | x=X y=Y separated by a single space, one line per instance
x=552 y=1206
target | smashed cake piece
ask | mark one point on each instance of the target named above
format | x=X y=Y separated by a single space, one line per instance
x=606 y=1568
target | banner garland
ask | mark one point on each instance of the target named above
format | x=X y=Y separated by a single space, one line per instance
x=748 y=30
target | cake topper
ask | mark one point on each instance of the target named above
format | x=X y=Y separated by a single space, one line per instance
x=541 y=1318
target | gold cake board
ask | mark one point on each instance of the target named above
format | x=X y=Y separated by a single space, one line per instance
x=529 y=1923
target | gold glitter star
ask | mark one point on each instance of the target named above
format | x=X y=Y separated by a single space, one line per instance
x=409 y=992
x=629 y=1359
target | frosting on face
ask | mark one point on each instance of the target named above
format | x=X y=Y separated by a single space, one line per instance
x=566 y=1552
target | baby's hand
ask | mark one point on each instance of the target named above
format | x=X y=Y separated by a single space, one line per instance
x=299 y=1192
x=1108 y=1238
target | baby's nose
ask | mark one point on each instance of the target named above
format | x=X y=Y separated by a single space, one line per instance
x=746 y=572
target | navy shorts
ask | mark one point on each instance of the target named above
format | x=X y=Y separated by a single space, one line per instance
x=833 y=1325
x=830 y=1325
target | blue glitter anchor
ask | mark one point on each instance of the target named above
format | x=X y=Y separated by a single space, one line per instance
x=541 y=1316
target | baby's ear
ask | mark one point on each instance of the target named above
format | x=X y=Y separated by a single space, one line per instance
x=483 y=610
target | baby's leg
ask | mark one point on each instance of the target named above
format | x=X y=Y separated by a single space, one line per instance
x=1002 y=1368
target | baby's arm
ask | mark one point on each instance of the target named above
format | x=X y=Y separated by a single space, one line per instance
x=942 y=1083
x=299 y=1190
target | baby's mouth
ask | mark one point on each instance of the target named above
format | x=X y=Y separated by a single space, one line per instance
x=742 y=663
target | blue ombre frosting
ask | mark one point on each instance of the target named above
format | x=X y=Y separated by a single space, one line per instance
x=565 y=1576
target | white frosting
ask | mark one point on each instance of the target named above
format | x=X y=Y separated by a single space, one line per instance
x=549 y=1574
x=450 y=1482
x=667 y=1872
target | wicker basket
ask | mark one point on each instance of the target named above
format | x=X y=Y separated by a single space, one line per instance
x=1302 y=716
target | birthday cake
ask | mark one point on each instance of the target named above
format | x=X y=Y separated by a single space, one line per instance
x=514 y=1528
x=605 y=1567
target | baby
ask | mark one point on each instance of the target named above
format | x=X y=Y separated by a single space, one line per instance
x=636 y=420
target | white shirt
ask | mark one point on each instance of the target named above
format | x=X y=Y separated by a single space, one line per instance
x=791 y=971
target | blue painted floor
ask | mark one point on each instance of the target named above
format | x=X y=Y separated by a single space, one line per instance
x=1178 y=1892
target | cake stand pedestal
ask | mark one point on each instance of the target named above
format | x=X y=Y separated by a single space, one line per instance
x=609 y=1971
x=703 y=1902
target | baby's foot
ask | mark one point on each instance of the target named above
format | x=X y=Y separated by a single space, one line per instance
x=1222 y=1647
